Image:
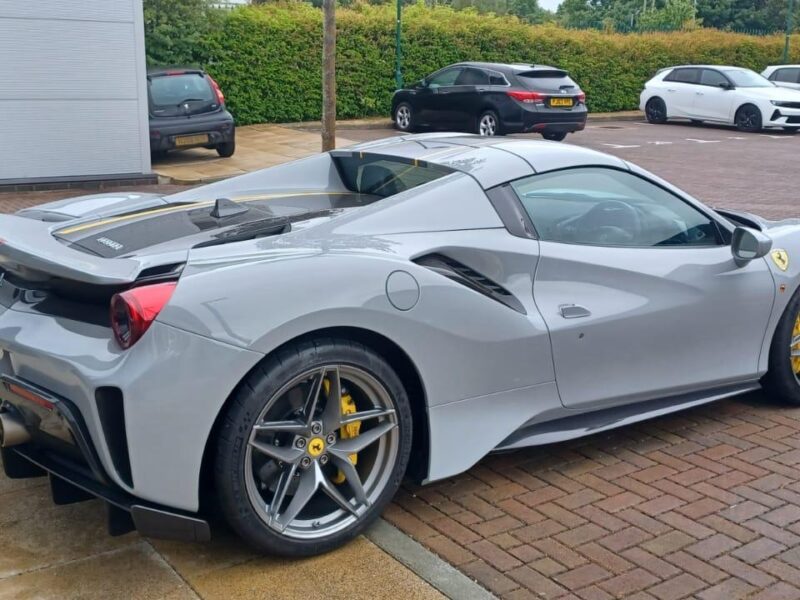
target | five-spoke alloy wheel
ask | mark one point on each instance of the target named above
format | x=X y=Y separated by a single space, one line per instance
x=313 y=447
x=488 y=124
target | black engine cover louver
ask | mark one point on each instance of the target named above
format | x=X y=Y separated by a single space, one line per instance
x=469 y=277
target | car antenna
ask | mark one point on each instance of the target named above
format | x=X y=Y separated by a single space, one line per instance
x=225 y=207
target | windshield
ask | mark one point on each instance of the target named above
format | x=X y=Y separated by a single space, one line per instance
x=747 y=78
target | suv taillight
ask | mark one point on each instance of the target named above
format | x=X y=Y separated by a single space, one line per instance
x=217 y=90
x=582 y=97
x=527 y=97
x=132 y=311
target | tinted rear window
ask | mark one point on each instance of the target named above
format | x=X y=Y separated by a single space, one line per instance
x=546 y=80
x=684 y=76
x=171 y=90
x=382 y=176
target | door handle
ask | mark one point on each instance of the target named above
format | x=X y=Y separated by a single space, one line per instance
x=670 y=90
x=573 y=311
x=699 y=93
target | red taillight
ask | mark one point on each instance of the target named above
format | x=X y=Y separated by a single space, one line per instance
x=133 y=311
x=217 y=90
x=527 y=97
x=582 y=97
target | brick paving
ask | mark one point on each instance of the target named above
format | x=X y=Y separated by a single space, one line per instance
x=705 y=503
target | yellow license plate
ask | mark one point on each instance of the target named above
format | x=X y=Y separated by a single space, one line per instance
x=566 y=102
x=191 y=140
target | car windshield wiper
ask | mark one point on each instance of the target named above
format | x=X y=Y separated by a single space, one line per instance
x=191 y=100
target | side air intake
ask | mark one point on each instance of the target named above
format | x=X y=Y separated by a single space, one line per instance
x=466 y=276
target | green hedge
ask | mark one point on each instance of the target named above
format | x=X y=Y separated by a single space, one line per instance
x=267 y=58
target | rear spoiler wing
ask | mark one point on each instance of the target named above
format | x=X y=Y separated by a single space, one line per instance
x=29 y=250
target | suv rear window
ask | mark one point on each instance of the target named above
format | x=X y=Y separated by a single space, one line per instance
x=172 y=90
x=384 y=176
x=546 y=80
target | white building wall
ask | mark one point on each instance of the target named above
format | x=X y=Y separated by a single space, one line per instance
x=73 y=89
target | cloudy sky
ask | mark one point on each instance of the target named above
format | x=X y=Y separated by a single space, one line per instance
x=549 y=4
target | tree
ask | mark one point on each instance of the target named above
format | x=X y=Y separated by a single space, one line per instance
x=175 y=29
x=674 y=15
x=528 y=10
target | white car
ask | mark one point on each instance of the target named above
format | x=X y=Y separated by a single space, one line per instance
x=787 y=76
x=725 y=95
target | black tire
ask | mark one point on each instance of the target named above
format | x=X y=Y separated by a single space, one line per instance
x=246 y=406
x=554 y=136
x=488 y=124
x=781 y=381
x=226 y=149
x=158 y=154
x=656 y=111
x=695 y=121
x=748 y=118
x=404 y=118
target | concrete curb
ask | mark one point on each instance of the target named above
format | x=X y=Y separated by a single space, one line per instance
x=447 y=579
x=384 y=123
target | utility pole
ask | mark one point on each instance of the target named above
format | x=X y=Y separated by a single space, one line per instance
x=328 y=75
x=789 y=27
x=398 y=51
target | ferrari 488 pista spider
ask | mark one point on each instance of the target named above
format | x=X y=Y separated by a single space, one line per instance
x=286 y=346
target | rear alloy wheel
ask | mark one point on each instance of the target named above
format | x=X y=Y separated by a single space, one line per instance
x=748 y=118
x=313 y=447
x=656 y=111
x=404 y=117
x=554 y=136
x=488 y=124
x=783 y=376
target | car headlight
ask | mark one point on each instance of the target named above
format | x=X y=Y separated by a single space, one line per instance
x=785 y=104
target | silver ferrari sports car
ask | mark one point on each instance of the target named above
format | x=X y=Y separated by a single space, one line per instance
x=284 y=347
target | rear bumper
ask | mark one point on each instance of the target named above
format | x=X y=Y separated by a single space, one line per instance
x=555 y=120
x=219 y=127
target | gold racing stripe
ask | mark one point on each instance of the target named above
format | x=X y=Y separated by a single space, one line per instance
x=188 y=207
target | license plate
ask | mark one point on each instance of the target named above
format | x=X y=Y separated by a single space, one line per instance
x=561 y=102
x=191 y=140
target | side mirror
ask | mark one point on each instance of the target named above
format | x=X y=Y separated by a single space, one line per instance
x=725 y=86
x=422 y=83
x=748 y=244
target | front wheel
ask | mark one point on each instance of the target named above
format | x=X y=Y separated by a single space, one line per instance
x=656 y=111
x=748 y=119
x=404 y=117
x=783 y=377
x=313 y=446
x=554 y=136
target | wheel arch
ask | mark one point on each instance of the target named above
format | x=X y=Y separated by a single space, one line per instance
x=398 y=359
x=664 y=102
x=749 y=103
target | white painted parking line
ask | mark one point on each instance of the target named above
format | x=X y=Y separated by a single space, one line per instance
x=736 y=137
x=776 y=137
x=659 y=143
x=618 y=146
x=702 y=141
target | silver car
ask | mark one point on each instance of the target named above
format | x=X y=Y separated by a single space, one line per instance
x=286 y=346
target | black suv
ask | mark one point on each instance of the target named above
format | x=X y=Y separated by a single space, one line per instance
x=187 y=110
x=493 y=99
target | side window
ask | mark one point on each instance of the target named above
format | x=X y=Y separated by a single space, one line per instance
x=786 y=75
x=713 y=78
x=606 y=207
x=497 y=78
x=470 y=76
x=683 y=76
x=444 y=78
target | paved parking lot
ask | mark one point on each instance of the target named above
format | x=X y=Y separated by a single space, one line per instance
x=705 y=503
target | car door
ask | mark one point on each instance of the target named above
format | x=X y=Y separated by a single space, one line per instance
x=639 y=289
x=465 y=98
x=714 y=97
x=435 y=105
x=679 y=89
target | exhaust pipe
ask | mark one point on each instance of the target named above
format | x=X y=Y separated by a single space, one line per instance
x=12 y=430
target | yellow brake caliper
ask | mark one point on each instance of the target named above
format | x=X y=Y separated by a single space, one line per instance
x=348 y=431
x=795 y=333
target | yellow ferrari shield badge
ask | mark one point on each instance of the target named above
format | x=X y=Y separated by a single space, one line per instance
x=781 y=259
